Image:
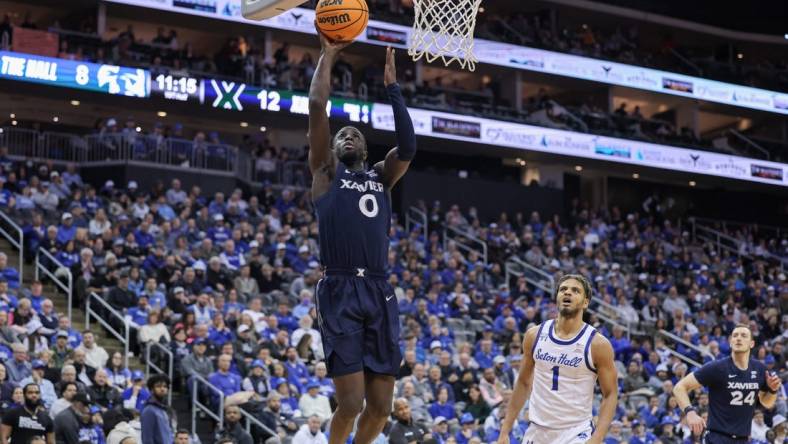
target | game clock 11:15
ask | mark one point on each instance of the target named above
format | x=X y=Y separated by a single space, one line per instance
x=175 y=87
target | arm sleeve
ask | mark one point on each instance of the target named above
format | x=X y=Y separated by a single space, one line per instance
x=406 y=136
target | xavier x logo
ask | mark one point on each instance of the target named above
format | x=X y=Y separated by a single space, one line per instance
x=360 y=272
x=227 y=94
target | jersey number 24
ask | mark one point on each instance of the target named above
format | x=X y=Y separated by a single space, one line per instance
x=737 y=398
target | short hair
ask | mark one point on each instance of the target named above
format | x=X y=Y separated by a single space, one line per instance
x=181 y=432
x=30 y=384
x=578 y=277
x=156 y=379
x=740 y=325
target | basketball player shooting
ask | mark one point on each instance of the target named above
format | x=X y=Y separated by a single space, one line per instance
x=563 y=358
x=358 y=315
x=733 y=383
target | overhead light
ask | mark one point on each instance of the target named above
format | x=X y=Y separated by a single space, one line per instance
x=75 y=102
x=739 y=56
x=13 y=122
x=635 y=176
x=481 y=11
x=56 y=119
x=578 y=168
x=786 y=36
x=692 y=183
x=13 y=116
x=1 y=131
x=162 y=113
x=263 y=129
x=138 y=129
x=244 y=124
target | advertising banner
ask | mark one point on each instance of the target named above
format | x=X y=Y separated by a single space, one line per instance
x=505 y=54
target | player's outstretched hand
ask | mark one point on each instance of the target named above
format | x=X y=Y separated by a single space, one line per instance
x=390 y=72
x=503 y=438
x=696 y=423
x=773 y=381
x=329 y=46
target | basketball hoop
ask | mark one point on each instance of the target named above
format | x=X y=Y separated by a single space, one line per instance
x=444 y=29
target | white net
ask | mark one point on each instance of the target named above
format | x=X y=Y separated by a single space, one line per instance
x=444 y=29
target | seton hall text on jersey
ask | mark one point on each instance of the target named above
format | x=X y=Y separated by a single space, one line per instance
x=369 y=185
x=743 y=385
x=561 y=360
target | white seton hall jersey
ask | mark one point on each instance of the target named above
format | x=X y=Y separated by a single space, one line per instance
x=564 y=378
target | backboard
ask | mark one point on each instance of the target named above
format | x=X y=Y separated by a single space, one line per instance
x=264 y=9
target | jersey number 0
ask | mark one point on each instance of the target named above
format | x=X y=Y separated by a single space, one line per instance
x=368 y=205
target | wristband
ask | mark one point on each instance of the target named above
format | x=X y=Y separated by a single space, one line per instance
x=688 y=409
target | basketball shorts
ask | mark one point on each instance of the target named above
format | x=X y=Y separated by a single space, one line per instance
x=579 y=434
x=712 y=437
x=358 y=318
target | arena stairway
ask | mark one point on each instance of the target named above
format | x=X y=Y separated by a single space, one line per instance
x=60 y=301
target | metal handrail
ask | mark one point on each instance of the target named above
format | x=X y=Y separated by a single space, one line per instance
x=196 y=404
x=616 y=310
x=122 y=337
x=751 y=143
x=149 y=364
x=761 y=227
x=686 y=359
x=250 y=420
x=18 y=243
x=611 y=321
x=415 y=213
x=67 y=288
x=709 y=234
x=675 y=338
x=468 y=236
x=547 y=284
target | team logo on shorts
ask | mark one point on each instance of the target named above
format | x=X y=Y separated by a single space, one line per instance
x=582 y=435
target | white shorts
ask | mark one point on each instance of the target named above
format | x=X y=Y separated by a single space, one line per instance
x=579 y=434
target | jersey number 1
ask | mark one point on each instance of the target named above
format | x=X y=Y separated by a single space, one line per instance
x=555 y=378
x=368 y=205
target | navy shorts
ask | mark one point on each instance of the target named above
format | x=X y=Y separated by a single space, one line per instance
x=713 y=437
x=358 y=318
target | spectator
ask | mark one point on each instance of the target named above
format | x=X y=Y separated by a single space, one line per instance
x=135 y=397
x=68 y=423
x=10 y=274
x=155 y=418
x=95 y=355
x=64 y=402
x=228 y=383
x=313 y=403
x=154 y=331
x=102 y=392
x=310 y=433
x=22 y=423
x=45 y=386
x=232 y=426
x=405 y=430
x=19 y=368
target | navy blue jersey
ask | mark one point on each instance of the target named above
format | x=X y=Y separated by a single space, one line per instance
x=733 y=394
x=353 y=218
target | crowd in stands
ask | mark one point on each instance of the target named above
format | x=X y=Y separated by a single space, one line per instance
x=242 y=58
x=226 y=282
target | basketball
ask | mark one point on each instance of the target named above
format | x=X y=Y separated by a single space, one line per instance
x=342 y=20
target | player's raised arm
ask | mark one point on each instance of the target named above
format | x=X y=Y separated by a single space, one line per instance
x=681 y=392
x=602 y=353
x=522 y=387
x=398 y=159
x=320 y=154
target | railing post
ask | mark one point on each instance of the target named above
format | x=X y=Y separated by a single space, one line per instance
x=35 y=272
x=194 y=406
x=171 y=373
x=126 y=345
x=70 y=292
x=87 y=312
x=147 y=360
